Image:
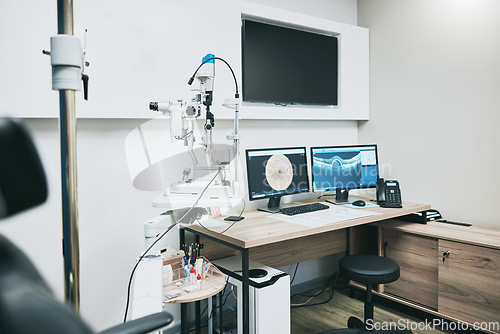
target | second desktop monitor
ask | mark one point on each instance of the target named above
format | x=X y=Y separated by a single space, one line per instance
x=275 y=172
x=341 y=168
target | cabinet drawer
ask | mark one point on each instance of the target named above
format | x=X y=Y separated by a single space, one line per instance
x=416 y=256
x=469 y=282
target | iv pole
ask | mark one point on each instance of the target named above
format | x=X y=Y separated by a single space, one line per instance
x=67 y=124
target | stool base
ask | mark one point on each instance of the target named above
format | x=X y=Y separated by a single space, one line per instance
x=356 y=326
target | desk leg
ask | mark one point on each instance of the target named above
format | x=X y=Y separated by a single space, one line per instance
x=210 y=321
x=221 y=316
x=182 y=237
x=197 y=305
x=246 y=290
x=184 y=322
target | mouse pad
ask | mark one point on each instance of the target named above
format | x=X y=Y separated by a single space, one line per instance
x=367 y=205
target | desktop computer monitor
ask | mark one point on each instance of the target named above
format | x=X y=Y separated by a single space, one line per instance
x=275 y=172
x=341 y=168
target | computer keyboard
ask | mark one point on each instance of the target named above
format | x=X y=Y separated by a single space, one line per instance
x=295 y=210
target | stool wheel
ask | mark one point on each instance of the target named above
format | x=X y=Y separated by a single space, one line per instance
x=354 y=322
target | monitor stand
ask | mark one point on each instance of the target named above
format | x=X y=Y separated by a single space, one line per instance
x=273 y=206
x=341 y=197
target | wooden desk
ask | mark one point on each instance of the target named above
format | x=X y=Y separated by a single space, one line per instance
x=259 y=235
x=258 y=228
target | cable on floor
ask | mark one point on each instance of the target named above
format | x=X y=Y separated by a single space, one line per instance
x=328 y=286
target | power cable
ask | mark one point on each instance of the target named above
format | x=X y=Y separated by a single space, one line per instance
x=158 y=239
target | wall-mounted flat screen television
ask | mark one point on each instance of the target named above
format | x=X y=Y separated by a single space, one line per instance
x=288 y=66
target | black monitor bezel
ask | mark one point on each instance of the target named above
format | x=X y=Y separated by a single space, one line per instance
x=247 y=151
x=340 y=146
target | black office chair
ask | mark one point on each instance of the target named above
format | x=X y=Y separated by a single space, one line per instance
x=26 y=302
x=368 y=270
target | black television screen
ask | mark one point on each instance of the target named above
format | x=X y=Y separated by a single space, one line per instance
x=288 y=66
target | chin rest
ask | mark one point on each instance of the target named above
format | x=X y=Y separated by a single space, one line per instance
x=26 y=302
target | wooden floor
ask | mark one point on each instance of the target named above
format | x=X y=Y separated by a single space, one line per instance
x=335 y=313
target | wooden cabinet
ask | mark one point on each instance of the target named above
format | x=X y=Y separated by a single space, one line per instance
x=446 y=270
x=469 y=282
x=417 y=259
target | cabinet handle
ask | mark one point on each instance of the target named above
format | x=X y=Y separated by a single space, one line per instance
x=445 y=255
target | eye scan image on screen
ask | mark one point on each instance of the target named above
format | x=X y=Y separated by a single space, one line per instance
x=341 y=168
x=275 y=172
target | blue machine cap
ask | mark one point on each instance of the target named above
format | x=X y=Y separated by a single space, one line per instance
x=209 y=55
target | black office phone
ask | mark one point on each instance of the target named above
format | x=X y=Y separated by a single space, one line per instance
x=389 y=194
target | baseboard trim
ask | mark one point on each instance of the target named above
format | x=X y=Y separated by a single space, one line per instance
x=309 y=285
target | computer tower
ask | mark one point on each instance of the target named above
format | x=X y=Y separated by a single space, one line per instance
x=269 y=298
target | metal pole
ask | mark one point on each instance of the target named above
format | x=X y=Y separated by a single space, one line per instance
x=67 y=124
x=236 y=192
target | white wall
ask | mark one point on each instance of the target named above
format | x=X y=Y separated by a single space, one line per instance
x=344 y=11
x=434 y=101
x=111 y=211
x=353 y=68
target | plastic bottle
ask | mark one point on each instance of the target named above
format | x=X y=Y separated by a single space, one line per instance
x=192 y=276
x=198 y=281
x=198 y=265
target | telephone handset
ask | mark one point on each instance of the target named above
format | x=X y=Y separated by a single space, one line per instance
x=388 y=194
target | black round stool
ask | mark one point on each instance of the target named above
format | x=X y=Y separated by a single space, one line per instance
x=368 y=270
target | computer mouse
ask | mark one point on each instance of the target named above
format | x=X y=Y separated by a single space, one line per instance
x=359 y=202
